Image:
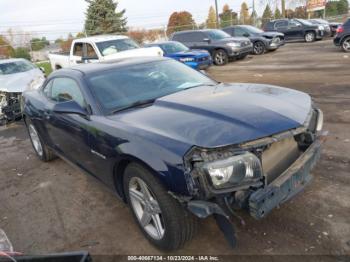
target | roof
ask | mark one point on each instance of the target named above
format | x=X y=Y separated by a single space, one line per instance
x=102 y=38
x=108 y=65
x=161 y=43
x=196 y=30
x=3 y=61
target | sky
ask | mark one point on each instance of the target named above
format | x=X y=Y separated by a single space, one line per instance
x=55 y=18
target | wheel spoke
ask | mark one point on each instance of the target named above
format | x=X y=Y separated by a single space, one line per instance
x=136 y=195
x=158 y=225
x=144 y=190
x=145 y=219
x=155 y=207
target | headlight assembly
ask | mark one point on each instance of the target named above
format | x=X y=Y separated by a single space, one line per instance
x=234 y=171
x=36 y=83
x=234 y=44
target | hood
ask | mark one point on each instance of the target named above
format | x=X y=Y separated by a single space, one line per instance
x=271 y=34
x=190 y=53
x=213 y=116
x=137 y=52
x=19 y=82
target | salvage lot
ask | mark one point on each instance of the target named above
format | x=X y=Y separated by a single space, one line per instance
x=53 y=207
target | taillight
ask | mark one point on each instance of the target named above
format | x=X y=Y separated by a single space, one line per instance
x=340 y=29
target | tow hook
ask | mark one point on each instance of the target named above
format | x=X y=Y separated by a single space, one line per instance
x=203 y=209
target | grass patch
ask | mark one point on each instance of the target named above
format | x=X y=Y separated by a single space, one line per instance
x=46 y=66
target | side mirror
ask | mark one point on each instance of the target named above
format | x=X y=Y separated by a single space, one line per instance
x=206 y=40
x=246 y=35
x=42 y=69
x=70 y=107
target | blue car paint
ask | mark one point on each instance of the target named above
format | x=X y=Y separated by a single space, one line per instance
x=202 y=58
x=159 y=136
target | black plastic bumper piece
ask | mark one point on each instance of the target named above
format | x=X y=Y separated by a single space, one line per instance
x=291 y=182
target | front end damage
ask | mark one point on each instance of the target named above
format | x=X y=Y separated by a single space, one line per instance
x=256 y=176
x=10 y=106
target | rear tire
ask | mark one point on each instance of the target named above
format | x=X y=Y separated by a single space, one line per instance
x=42 y=151
x=220 y=57
x=346 y=44
x=310 y=37
x=150 y=202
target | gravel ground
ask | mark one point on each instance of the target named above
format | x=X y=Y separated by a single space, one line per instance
x=52 y=207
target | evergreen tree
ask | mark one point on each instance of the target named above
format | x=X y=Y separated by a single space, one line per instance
x=102 y=18
x=227 y=17
x=267 y=15
x=211 y=20
x=331 y=9
x=278 y=13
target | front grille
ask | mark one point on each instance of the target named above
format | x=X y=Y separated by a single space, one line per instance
x=278 y=157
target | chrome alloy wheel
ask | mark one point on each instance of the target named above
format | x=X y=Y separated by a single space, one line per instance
x=35 y=139
x=309 y=37
x=259 y=48
x=346 y=45
x=146 y=208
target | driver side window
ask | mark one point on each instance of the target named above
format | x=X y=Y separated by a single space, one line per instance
x=64 y=89
x=294 y=24
x=240 y=32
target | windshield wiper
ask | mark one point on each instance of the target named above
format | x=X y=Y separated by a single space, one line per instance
x=135 y=104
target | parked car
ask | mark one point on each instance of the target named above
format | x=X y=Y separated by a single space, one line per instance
x=324 y=23
x=296 y=29
x=342 y=38
x=16 y=76
x=175 y=144
x=197 y=59
x=219 y=44
x=262 y=41
x=100 y=48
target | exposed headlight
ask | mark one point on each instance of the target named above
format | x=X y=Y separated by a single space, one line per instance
x=234 y=170
x=234 y=44
x=320 y=27
x=187 y=59
x=36 y=83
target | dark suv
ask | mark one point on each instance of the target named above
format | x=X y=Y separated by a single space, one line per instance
x=219 y=44
x=296 y=29
x=342 y=38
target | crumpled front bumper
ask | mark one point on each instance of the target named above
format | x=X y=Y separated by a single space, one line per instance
x=288 y=184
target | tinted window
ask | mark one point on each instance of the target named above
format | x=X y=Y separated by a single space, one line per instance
x=66 y=89
x=240 y=31
x=294 y=23
x=91 y=52
x=115 y=46
x=189 y=37
x=253 y=30
x=217 y=34
x=121 y=87
x=175 y=47
x=15 y=67
x=281 y=24
x=78 y=49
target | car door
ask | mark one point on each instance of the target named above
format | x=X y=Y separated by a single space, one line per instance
x=282 y=27
x=67 y=133
x=295 y=29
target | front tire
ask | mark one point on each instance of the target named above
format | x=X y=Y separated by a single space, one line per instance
x=42 y=151
x=310 y=37
x=161 y=218
x=346 y=44
x=259 y=48
x=220 y=57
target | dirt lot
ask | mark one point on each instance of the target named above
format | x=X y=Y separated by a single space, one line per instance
x=53 y=207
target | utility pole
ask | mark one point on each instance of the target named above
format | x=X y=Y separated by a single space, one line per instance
x=254 y=13
x=217 y=13
x=283 y=4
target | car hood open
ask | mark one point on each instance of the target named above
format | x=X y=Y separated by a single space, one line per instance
x=213 y=116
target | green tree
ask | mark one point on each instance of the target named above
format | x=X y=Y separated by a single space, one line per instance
x=267 y=15
x=227 y=17
x=179 y=21
x=211 y=20
x=21 y=52
x=342 y=7
x=331 y=9
x=102 y=18
x=38 y=44
x=278 y=13
x=244 y=14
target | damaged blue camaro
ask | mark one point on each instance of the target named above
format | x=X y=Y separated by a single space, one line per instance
x=176 y=145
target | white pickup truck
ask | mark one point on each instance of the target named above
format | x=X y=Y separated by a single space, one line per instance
x=100 y=48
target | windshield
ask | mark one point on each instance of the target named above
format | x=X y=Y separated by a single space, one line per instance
x=217 y=34
x=253 y=30
x=121 y=87
x=15 y=67
x=305 y=22
x=114 y=46
x=175 y=47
